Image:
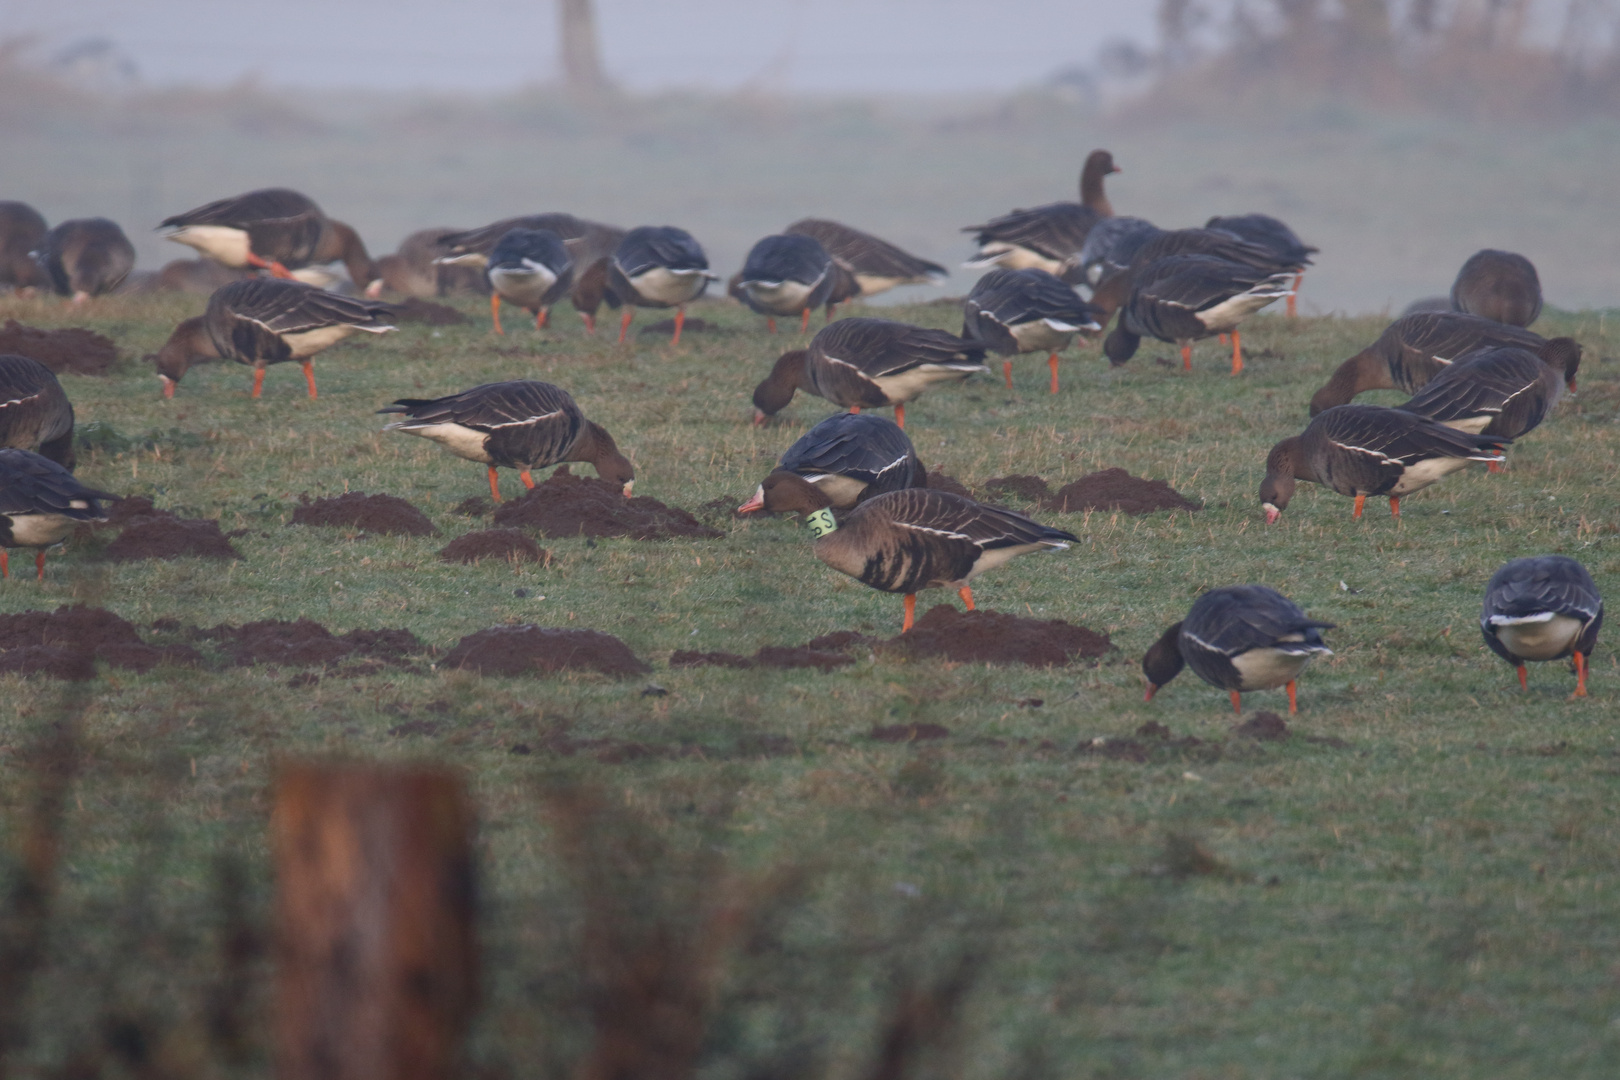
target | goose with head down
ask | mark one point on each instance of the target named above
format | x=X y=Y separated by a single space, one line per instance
x=530 y=268
x=1542 y=608
x=851 y=457
x=1183 y=298
x=1046 y=237
x=590 y=245
x=657 y=266
x=789 y=274
x=35 y=413
x=1275 y=236
x=40 y=503
x=1020 y=311
x=1498 y=391
x=21 y=231
x=1498 y=285
x=85 y=257
x=876 y=264
x=273 y=229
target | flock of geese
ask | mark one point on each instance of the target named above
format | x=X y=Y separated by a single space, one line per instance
x=1478 y=378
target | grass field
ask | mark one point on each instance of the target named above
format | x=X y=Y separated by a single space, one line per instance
x=1421 y=882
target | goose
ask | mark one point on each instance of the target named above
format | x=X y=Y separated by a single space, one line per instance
x=22 y=229
x=868 y=363
x=532 y=269
x=267 y=321
x=1111 y=247
x=1239 y=638
x=1183 y=298
x=1545 y=607
x=1364 y=450
x=1045 y=237
x=523 y=424
x=657 y=266
x=851 y=457
x=85 y=257
x=1113 y=288
x=35 y=413
x=789 y=274
x=877 y=265
x=907 y=541
x=1497 y=391
x=1270 y=233
x=1415 y=348
x=40 y=503
x=197 y=276
x=590 y=245
x=273 y=229
x=414 y=269
x=1020 y=311
x=1498 y=285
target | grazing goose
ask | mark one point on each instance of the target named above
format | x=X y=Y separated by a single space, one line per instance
x=524 y=424
x=1498 y=285
x=1113 y=289
x=877 y=265
x=40 y=503
x=35 y=413
x=907 y=541
x=1545 y=607
x=1110 y=248
x=1183 y=298
x=267 y=321
x=273 y=229
x=657 y=266
x=1497 y=391
x=590 y=245
x=1045 y=237
x=532 y=269
x=1239 y=638
x=788 y=275
x=851 y=457
x=868 y=363
x=1020 y=311
x=1414 y=349
x=1364 y=450
x=414 y=269
x=86 y=257
x=21 y=232
x=1269 y=233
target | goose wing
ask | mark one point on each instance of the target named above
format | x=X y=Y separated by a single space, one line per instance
x=525 y=422
x=1368 y=448
x=863 y=253
x=1268 y=232
x=880 y=347
x=1016 y=297
x=1056 y=230
x=1444 y=336
x=482 y=240
x=33 y=407
x=291 y=307
x=651 y=246
x=1505 y=386
x=30 y=484
x=1537 y=588
x=1212 y=242
x=871 y=449
x=267 y=206
x=1233 y=620
x=1112 y=246
x=786 y=257
x=1169 y=293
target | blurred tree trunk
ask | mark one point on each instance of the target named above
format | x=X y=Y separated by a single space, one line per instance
x=581 y=49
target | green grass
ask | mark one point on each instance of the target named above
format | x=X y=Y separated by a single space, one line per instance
x=1432 y=894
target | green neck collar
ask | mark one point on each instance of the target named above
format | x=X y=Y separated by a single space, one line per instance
x=821 y=522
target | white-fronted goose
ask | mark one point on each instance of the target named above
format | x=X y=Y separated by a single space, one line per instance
x=1020 y=311
x=523 y=424
x=267 y=321
x=1364 y=450
x=1414 y=349
x=868 y=363
x=907 y=541
x=35 y=413
x=198 y=276
x=1045 y=237
x=1545 y=607
x=851 y=457
x=1498 y=391
x=590 y=244
x=1498 y=285
x=877 y=265
x=413 y=269
x=530 y=268
x=1114 y=287
x=40 y=503
x=1239 y=638
x=274 y=229
x=1183 y=298
x=1110 y=248
x=86 y=257
x=1275 y=236
x=22 y=230
x=789 y=274
x=657 y=266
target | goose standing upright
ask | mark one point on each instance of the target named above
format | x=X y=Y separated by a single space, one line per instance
x=273 y=229
x=876 y=264
x=1045 y=237
x=1270 y=233
x=657 y=266
x=851 y=457
x=35 y=413
x=1498 y=285
x=86 y=257
x=791 y=273
x=1545 y=607
x=1020 y=311
x=532 y=269
x=40 y=503
x=21 y=231
x=1183 y=298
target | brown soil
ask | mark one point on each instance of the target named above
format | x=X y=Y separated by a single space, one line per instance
x=373 y=513
x=164 y=536
x=771 y=656
x=530 y=649
x=1263 y=727
x=691 y=326
x=1116 y=489
x=992 y=637
x=305 y=643
x=65 y=644
x=939 y=481
x=1028 y=488
x=567 y=506
x=416 y=310
x=907 y=733
x=475 y=506
x=70 y=351
x=513 y=545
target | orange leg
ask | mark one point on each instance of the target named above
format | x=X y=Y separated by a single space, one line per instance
x=1395 y=507
x=5 y=565
x=1226 y=339
x=967 y=597
x=275 y=268
x=830 y=309
x=495 y=312
x=1495 y=466
x=258 y=381
x=528 y=481
x=1293 y=312
x=770 y=323
x=1006 y=372
x=494 y=484
x=1580 y=661
x=911 y=611
x=309 y=377
x=540 y=318
x=1237 y=702
x=1361 y=502
x=39 y=564
x=1524 y=678
x=680 y=321
x=854 y=409
x=1051 y=362
x=590 y=322
x=1237 y=353
x=1186 y=356
x=900 y=415
x=804 y=322
x=624 y=323
x=1293 y=697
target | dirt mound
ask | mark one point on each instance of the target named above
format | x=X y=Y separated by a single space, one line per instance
x=1028 y=488
x=65 y=644
x=130 y=509
x=530 y=649
x=691 y=326
x=373 y=513
x=992 y=637
x=907 y=733
x=567 y=505
x=514 y=545
x=416 y=310
x=1116 y=489
x=772 y=656
x=939 y=481
x=305 y=643
x=1263 y=727
x=163 y=536
x=71 y=351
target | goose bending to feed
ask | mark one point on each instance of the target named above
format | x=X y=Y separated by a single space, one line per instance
x=1364 y=450
x=274 y=229
x=22 y=229
x=1498 y=391
x=86 y=257
x=590 y=245
x=35 y=413
x=40 y=503
x=788 y=275
x=266 y=321
x=1045 y=237
x=414 y=269
x=1498 y=285
x=1183 y=298
x=530 y=268
x=524 y=424
x=1110 y=248
x=1545 y=607
x=876 y=264
x=1020 y=311
x=1415 y=348
x=851 y=457
x=907 y=541
x=657 y=266
x=1239 y=638
x=868 y=363
x=1274 y=235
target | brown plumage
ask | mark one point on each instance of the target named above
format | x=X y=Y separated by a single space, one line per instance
x=21 y=231
x=86 y=257
x=1498 y=285
x=273 y=229
x=1184 y=298
x=1497 y=391
x=35 y=413
x=876 y=264
x=40 y=503
x=590 y=245
x=1045 y=237
x=414 y=270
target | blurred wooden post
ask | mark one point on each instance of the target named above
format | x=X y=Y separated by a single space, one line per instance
x=581 y=49
x=377 y=965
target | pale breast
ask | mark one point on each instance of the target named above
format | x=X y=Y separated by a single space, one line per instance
x=219 y=242
x=1540 y=640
